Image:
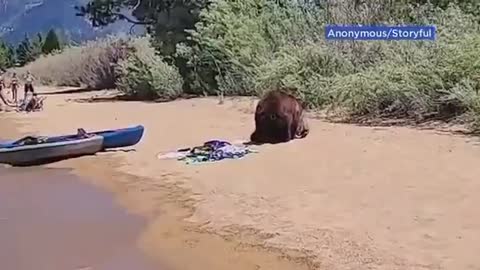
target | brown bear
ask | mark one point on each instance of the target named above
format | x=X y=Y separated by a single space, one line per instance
x=279 y=117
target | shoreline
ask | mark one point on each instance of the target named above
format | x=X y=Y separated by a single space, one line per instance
x=346 y=197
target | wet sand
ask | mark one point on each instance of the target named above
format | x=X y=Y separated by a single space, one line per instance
x=345 y=197
x=51 y=220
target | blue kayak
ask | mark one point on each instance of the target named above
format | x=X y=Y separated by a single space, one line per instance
x=40 y=150
x=114 y=138
x=121 y=137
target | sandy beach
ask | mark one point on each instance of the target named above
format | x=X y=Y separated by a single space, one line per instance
x=345 y=197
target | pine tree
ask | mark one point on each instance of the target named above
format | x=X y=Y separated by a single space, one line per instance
x=36 y=49
x=23 y=51
x=51 y=42
x=7 y=56
x=28 y=51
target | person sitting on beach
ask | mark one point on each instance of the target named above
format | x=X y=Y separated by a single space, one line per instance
x=3 y=101
x=28 y=87
x=3 y=98
x=14 y=87
x=31 y=103
x=2 y=81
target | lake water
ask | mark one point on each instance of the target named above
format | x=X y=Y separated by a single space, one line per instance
x=50 y=219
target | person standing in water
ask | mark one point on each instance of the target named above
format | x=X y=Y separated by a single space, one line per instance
x=29 y=78
x=14 y=87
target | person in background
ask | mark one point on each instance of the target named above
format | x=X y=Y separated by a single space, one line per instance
x=29 y=78
x=2 y=81
x=31 y=103
x=4 y=102
x=14 y=87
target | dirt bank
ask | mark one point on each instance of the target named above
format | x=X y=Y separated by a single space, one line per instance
x=346 y=197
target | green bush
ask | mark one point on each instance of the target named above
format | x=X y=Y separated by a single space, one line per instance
x=129 y=64
x=235 y=37
x=256 y=45
x=144 y=75
x=419 y=80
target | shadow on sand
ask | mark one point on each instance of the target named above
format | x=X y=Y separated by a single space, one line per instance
x=118 y=150
x=40 y=162
x=127 y=98
x=69 y=91
x=53 y=160
x=46 y=161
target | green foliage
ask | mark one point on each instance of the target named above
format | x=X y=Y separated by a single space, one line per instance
x=51 y=42
x=253 y=48
x=7 y=56
x=417 y=79
x=130 y=64
x=235 y=38
x=144 y=74
x=27 y=51
x=167 y=20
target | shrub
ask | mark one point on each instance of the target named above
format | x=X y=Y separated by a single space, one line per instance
x=255 y=45
x=234 y=37
x=144 y=74
x=421 y=79
x=130 y=64
x=91 y=64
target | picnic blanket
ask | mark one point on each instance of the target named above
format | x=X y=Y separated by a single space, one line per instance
x=210 y=151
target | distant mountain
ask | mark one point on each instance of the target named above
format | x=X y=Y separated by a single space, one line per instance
x=20 y=17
